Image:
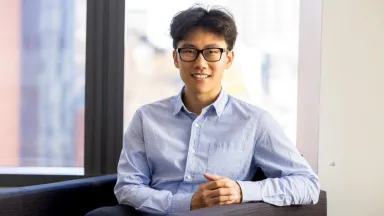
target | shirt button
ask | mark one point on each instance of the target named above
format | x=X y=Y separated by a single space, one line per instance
x=189 y=177
x=196 y=125
x=193 y=151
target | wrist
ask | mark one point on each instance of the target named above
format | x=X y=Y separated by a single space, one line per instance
x=240 y=192
x=193 y=205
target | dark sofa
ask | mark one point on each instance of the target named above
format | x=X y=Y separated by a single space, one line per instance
x=77 y=197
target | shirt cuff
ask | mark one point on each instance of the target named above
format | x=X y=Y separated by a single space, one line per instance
x=181 y=202
x=251 y=191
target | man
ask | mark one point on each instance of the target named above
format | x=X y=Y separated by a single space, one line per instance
x=202 y=147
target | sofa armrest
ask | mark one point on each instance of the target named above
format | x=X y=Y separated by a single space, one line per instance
x=264 y=209
x=73 y=197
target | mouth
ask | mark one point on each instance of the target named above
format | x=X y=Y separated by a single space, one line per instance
x=200 y=76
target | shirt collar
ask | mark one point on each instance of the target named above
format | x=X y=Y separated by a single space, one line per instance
x=219 y=104
x=178 y=102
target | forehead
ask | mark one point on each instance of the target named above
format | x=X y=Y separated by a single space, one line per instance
x=201 y=38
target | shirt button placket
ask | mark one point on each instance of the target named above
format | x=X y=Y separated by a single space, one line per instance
x=192 y=150
x=194 y=143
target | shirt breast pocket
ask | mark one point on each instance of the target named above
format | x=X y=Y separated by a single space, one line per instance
x=226 y=158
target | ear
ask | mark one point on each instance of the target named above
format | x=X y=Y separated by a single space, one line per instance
x=175 y=60
x=229 y=58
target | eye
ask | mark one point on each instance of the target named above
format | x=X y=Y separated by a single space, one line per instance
x=188 y=51
x=212 y=51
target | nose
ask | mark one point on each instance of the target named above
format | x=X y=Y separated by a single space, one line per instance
x=200 y=62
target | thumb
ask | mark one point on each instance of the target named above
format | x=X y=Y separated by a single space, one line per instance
x=212 y=177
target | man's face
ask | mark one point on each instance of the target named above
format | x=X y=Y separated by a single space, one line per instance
x=201 y=76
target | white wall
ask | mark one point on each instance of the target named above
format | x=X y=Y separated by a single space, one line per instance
x=351 y=124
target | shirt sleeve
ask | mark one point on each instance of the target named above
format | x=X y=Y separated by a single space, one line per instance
x=133 y=177
x=290 y=179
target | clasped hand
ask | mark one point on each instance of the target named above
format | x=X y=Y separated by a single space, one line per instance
x=219 y=190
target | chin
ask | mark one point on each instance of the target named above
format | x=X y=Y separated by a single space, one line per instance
x=199 y=89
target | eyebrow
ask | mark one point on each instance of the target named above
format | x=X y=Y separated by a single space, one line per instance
x=206 y=46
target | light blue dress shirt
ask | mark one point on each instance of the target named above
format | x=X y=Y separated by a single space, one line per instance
x=166 y=150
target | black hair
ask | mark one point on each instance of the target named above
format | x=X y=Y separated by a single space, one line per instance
x=217 y=20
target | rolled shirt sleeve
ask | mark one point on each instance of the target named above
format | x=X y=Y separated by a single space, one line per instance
x=290 y=179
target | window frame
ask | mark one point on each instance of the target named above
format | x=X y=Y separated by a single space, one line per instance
x=309 y=75
x=103 y=95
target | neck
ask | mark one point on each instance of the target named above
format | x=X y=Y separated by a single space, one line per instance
x=195 y=102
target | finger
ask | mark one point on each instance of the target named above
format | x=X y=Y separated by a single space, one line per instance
x=221 y=199
x=226 y=202
x=221 y=192
x=213 y=177
x=211 y=185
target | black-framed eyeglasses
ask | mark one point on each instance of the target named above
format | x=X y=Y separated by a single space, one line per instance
x=209 y=54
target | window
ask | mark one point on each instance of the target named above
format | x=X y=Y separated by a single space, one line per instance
x=61 y=89
x=42 y=87
x=264 y=72
x=71 y=130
